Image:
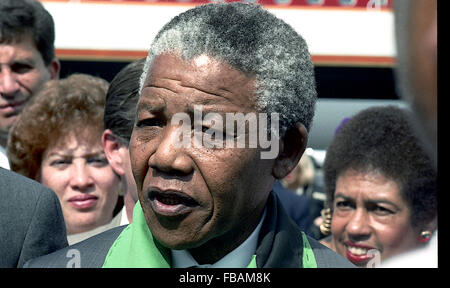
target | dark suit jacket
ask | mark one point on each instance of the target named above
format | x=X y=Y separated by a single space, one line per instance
x=297 y=207
x=31 y=220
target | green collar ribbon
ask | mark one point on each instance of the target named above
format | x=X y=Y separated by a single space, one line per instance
x=136 y=248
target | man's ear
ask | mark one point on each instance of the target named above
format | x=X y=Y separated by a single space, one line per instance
x=292 y=146
x=113 y=151
x=53 y=68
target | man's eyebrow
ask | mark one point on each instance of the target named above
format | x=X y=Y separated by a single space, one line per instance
x=148 y=107
x=27 y=61
x=340 y=195
x=160 y=87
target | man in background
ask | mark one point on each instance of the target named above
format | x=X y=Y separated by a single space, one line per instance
x=31 y=221
x=27 y=59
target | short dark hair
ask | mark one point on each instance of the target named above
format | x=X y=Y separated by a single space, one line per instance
x=23 y=18
x=382 y=139
x=121 y=100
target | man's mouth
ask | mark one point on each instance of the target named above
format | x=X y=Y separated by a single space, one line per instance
x=12 y=108
x=170 y=202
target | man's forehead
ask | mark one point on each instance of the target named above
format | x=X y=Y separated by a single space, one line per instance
x=23 y=37
x=204 y=74
x=19 y=49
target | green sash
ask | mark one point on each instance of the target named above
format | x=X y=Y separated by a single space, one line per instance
x=308 y=258
x=136 y=248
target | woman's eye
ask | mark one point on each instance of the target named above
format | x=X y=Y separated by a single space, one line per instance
x=99 y=161
x=380 y=210
x=60 y=162
x=343 y=204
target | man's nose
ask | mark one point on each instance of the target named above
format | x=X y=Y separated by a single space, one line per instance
x=81 y=178
x=170 y=156
x=358 y=227
x=8 y=83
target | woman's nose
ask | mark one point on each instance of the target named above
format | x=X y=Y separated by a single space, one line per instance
x=358 y=227
x=81 y=178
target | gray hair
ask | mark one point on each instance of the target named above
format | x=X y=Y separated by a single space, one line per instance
x=253 y=41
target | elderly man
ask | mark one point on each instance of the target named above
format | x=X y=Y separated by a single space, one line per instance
x=204 y=184
x=27 y=59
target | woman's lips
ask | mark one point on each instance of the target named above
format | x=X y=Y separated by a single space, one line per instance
x=171 y=203
x=358 y=253
x=82 y=202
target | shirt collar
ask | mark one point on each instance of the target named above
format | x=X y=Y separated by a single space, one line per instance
x=238 y=258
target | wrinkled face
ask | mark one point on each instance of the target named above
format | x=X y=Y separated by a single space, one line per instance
x=84 y=182
x=191 y=195
x=369 y=213
x=22 y=72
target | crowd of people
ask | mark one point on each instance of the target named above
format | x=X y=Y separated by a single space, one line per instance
x=104 y=168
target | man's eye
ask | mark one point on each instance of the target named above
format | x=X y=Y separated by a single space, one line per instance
x=216 y=133
x=21 y=68
x=150 y=122
x=209 y=130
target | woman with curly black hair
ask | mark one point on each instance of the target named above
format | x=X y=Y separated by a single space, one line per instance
x=381 y=187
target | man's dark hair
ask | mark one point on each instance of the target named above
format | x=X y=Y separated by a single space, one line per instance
x=382 y=140
x=121 y=100
x=28 y=18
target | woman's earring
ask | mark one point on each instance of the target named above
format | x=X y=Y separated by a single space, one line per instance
x=325 y=227
x=425 y=236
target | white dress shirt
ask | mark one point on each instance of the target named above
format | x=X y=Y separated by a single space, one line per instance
x=238 y=258
x=4 y=162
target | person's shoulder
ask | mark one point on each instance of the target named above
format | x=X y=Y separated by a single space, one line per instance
x=288 y=196
x=90 y=253
x=23 y=196
x=22 y=186
x=327 y=258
